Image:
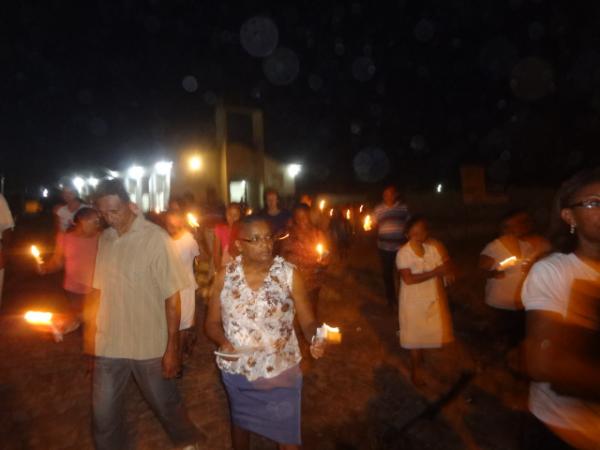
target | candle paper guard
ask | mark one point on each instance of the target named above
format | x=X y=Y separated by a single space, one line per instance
x=330 y=334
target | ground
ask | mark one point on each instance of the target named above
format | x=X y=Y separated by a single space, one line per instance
x=357 y=397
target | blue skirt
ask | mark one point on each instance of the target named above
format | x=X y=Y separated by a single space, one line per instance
x=269 y=407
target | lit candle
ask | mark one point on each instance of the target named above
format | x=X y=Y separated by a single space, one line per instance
x=327 y=333
x=508 y=262
x=249 y=212
x=322 y=205
x=44 y=320
x=367 y=223
x=37 y=255
x=348 y=214
x=331 y=212
x=360 y=210
x=192 y=220
x=320 y=250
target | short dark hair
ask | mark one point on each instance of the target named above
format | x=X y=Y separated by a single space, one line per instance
x=84 y=213
x=415 y=220
x=246 y=221
x=112 y=187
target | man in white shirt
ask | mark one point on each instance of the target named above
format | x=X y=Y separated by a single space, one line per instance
x=6 y=223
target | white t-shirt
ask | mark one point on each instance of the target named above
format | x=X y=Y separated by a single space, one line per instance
x=406 y=258
x=548 y=288
x=187 y=249
x=504 y=293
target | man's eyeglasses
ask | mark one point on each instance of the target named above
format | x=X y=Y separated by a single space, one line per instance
x=256 y=239
x=586 y=204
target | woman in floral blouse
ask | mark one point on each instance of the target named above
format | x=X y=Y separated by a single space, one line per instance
x=251 y=317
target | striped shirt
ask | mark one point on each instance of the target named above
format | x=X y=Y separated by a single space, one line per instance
x=135 y=272
x=390 y=225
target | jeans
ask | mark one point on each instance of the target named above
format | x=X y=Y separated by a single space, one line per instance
x=388 y=269
x=110 y=379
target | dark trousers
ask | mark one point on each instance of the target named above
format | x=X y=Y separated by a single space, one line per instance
x=388 y=269
x=110 y=380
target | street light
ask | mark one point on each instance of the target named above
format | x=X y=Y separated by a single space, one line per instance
x=194 y=163
x=78 y=182
x=163 y=167
x=293 y=170
x=136 y=172
x=93 y=182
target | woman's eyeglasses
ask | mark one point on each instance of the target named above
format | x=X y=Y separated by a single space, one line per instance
x=256 y=239
x=586 y=204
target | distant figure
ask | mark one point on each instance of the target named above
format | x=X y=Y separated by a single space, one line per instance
x=223 y=248
x=188 y=251
x=278 y=218
x=317 y=218
x=390 y=218
x=66 y=212
x=340 y=231
x=562 y=299
x=505 y=262
x=140 y=276
x=423 y=310
x=300 y=248
x=6 y=223
x=251 y=318
x=75 y=252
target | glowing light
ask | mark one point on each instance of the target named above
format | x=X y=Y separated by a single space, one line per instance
x=194 y=163
x=348 y=214
x=78 y=182
x=136 y=172
x=331 y=212
x=293 y=170
x=45 y=193
x=93 y=182
x=285 y=236
x=508 y=262
x=360 y=210
x=320 y=249
x=38 y=318
x=192 y=220
x=249 y=212
x=332 y=334
x=439 y=188
x=163 y=167
x=367 y=223
x=35 y=252
x=112 y=174
x=322 y=205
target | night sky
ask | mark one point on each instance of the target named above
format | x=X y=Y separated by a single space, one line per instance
x=360 y=92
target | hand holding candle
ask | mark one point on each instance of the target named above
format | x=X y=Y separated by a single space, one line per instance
x=192 y=220
x=326 y=333
x=507 y=263
x=43 y=320
x=35 y=252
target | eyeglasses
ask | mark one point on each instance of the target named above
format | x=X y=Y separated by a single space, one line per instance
x=268 y=239
x=587 y=204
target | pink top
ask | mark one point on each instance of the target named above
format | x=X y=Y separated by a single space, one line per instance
x=79 y=255
x=223 y=233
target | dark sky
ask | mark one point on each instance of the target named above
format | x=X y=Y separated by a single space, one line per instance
x=360 y=92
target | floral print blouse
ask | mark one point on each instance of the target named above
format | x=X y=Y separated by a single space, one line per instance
x=259 y=324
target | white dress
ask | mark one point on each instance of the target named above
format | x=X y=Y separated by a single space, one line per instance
x=187 y=249
x=423 y=311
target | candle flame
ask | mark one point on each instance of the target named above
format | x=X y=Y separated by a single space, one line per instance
x=508 y=262
x=320 y=249
x=192 y=220
x=360 y=210
x=35 y=251
x=368 y=223
x=249 y=212
x=38 y=317
x=331 y=212
x=322 y=205
x=348 y=214
x=332 y=334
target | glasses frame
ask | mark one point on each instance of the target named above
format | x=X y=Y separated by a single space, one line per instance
x=586 y=204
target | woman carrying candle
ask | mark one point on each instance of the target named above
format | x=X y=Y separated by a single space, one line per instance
x=562 y=298
x=423 y=311
x=505 y=262
x=251 y=318
x=75 y=252
x=307 y=248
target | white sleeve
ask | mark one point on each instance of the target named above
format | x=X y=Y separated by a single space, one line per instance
x=543 y=289
x=490 y=250
x=402 y=260
x=6 y=218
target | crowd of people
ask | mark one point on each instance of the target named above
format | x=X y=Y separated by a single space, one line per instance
x=132 y=284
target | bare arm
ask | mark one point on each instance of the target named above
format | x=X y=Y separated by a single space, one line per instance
x=557 y=353
x=306 y=317
x=213 y=325
x=414 y=278
x=57 y=260
x=217 y=256
x=170 y=362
